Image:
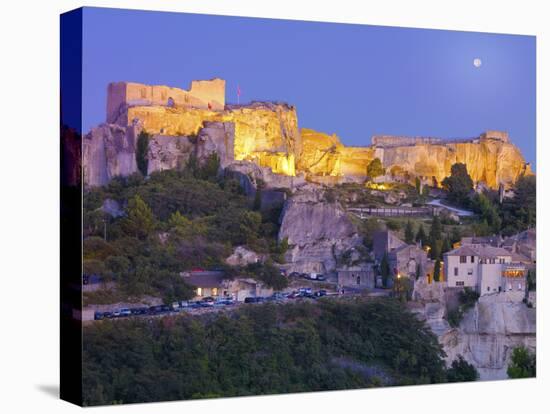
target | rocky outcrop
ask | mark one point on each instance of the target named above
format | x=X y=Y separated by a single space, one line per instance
x=489 y=161
x=264 y=132
x=242 y=256
x=108 y=151
x=488 y=334
x=267 y=134
x=168 y=152
x=251 y=175
x=318 y=232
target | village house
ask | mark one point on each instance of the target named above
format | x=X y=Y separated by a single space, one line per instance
x=215 y=284
x=357 y=277
x=405 y=260
x=523 y=244
x=486 y=269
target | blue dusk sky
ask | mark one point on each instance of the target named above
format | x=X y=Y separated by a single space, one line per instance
x=352 y=80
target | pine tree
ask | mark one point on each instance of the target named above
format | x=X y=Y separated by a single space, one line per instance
x=455 y=235
x=385 y=270
x=435 y=230
x=409 y=233
x=421 y=235
x=140 y=220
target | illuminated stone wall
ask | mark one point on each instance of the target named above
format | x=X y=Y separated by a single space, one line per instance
x=205 y=94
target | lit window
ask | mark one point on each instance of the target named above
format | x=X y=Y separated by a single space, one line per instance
x=214 y=291
x=519 y=286
x=199 y=291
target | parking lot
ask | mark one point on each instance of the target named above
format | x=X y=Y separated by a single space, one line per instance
x=210 y=304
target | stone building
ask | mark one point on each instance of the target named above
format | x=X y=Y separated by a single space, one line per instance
x=357 y=277
x=215 y=284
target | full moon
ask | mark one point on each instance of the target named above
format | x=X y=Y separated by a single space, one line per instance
x=477 y=62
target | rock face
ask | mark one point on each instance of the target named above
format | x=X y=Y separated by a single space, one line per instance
x=487 y=160
x=107 y=151
x=318 y=232
x=264 y=132
x=488 y=334
x=490 y=159
x=267 y=134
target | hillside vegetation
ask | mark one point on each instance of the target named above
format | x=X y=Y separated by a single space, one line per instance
x=259 y=349
x=173 y=221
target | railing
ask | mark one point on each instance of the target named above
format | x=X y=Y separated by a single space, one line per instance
x=364 y=212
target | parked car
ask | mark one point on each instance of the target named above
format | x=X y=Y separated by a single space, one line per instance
x=108 y=315
x=139 y=311
x=208 y=299
x=294 y=274
x=195 y=305
x=250 y=299
x=321 y=292
x=183 y=304
x=165 y=308
x=116 y=313
x=98 y=316
x=321 y=277
x=176 y=306
x=305 y=290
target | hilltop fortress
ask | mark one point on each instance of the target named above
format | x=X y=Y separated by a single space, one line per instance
x=266 y=134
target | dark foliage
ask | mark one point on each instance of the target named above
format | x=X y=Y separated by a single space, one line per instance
x=261 y=349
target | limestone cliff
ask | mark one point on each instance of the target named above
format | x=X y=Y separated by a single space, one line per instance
x=318 y=232
x=108 y=151
x=265 y=133
x=488 y=332
x=487 y=160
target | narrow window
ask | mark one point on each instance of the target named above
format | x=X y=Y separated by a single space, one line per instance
x=358 y=280
x=472 y=259
x=456 y=271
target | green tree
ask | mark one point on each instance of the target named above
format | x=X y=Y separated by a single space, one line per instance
x=520 y=212
x=523 y=364
x=487 y=211
x=458 y=184
x=461 y=371
x=456 y=236
x=142 y=149
x=446 y=246
x=435 y=237
x=409 y=233
x=375 y=168
x=385 y=270
x=140 y=221
x=421 y=236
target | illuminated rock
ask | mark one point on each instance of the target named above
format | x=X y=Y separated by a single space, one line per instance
x=265 y=133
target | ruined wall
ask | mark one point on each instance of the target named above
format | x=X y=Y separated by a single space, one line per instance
x=202 y=94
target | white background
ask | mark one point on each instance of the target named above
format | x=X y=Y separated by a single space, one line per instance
x=29 y=205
